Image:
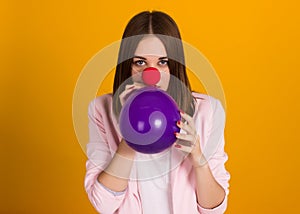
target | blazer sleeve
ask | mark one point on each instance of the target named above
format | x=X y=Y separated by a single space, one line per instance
x=99 y=157
x=216 y=156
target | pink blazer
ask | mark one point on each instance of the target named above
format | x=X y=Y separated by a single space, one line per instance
x=104 y=138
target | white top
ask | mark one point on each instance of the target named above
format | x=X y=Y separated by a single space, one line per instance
x=154 y=183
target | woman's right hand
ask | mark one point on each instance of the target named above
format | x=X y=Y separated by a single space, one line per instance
x=125 y=150
x=128 y=90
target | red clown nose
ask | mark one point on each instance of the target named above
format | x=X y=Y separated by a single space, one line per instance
x=151 y=76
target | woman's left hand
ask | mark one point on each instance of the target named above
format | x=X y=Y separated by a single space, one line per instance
x=189 y=142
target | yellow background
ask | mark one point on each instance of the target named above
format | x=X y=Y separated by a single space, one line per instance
x=253 y=45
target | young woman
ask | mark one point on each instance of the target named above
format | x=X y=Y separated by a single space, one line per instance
x=181 y=179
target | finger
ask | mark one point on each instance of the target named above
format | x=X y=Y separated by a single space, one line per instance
x=128 y=90
x=185 y=137
x=129 y=86
x=135 y=84
x=183 y=148
x=183 y=142
x=124 y=95
x=186 y=127
x=139 y=84
x=187 y=117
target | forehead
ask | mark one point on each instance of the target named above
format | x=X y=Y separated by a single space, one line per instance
x=150 y=45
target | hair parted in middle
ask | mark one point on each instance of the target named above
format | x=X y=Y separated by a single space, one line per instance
x=164 y=27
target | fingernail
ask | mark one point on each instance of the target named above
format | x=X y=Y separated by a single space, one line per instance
x=175 y=133
x=177 y=146
x=178 y=122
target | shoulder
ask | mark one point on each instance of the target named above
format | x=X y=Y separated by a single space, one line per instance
x=206 y=103
x=204 y=97
x=101 y=103
x=100 y=100
x=208 y=110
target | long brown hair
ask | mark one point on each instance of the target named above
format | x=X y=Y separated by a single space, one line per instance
x=165 y=28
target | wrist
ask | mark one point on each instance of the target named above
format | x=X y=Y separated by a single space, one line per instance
x=125 y=150
x=199 y=161
x=201 y=166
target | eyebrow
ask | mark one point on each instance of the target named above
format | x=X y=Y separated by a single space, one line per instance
x=140 y=57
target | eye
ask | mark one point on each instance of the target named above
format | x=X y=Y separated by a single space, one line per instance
x=139 y=62
x=163 y=62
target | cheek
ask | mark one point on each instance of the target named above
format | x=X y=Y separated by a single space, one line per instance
x=167 y=70
x=164 y=81
x=136 y=76
x=133 y=70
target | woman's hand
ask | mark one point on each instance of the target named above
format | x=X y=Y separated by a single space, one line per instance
x=125 y=151
x=128 y=90
x=190 y=141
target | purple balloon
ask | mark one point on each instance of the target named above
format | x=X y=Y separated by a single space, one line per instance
x=148 y=120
